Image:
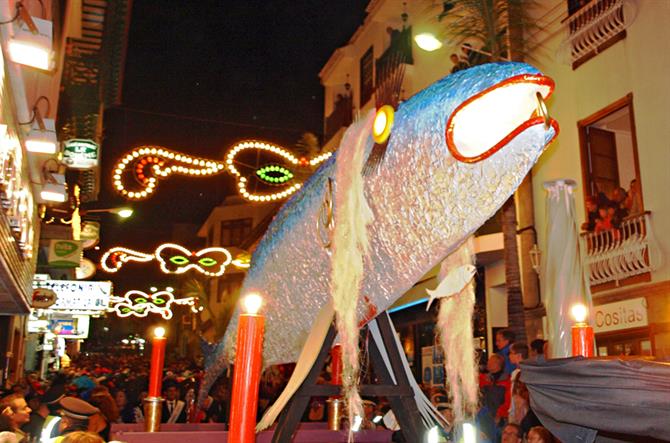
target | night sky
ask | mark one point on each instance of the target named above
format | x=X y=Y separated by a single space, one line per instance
x=200 y=76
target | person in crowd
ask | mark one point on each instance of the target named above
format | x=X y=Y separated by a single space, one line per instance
x=540 y=434
x=537 y=350
x=218 y=411
x=518 y=352
x=633 y=201
x=138 y=410
x=39 y=413
x=495 y=393
x=369 y=412
x=126 y=412
x=511 y=433
x=82 y=437
x=459 y=64
x=504 y=340
x=101 y=422
x=605 y=220
x=17 y=411
x=7 y=434
x=174 y=409
x=76 y=414
x=592 y=214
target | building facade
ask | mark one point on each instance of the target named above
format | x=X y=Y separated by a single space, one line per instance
x=609 y=102
x=61 y=65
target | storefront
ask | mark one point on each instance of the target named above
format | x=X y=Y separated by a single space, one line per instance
x=634 y=322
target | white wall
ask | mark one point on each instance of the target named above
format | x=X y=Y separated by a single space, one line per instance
x=639 y=64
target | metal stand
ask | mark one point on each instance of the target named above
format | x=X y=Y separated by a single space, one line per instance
x=153 y=408
x=400 y=395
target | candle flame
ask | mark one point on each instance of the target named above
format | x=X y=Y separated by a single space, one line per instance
x=159 y=332
x=252 y=303
x=579 y=312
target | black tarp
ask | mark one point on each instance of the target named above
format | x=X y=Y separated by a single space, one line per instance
x=601 y=400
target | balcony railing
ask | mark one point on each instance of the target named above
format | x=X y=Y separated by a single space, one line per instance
x=595 y=26
x=618 y=254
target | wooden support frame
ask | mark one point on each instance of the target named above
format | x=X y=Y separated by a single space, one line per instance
x=399 y=394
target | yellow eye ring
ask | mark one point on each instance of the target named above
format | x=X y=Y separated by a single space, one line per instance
x=383 y=123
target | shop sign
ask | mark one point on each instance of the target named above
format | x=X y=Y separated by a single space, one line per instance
x=65 y=253
x=43 y=298
x=75 y=326
x=624 y=314
x=86 y=269
x=80 y=153
x=78 y=296
x=90 y=234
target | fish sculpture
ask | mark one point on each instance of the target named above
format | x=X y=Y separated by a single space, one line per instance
x=456 y=152
x=452 y=284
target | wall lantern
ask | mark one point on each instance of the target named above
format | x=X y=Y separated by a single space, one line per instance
x=31 y=41
x=42 y=137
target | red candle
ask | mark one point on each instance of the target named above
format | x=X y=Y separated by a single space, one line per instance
x=157 y=360
x=247 y=373
x=336 y=365
x=582 y=340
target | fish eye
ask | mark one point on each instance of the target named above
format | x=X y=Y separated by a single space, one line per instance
x=159 y=301
x=179 y=260
x=207 y=261
x=140 y=300
x=383 y=123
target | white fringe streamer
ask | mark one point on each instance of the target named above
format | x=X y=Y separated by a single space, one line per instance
x=350 y=243
x=454 y=324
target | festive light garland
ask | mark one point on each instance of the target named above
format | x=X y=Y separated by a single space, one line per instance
x=140 y=304
x=173 y=259
x=149 y=164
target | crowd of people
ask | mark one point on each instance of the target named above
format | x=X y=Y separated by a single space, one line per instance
x=606 y=212
x=80 y=403
x=506 y=414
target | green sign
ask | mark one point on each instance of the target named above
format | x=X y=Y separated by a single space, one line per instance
x=65 y=253
x=81 y=153
x=90 y=234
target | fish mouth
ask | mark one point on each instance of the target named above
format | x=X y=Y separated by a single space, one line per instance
x=487 y=121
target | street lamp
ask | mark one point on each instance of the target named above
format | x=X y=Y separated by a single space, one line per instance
x=429 y=42
x=123 y=212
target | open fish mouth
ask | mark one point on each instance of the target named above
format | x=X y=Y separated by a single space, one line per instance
x=487 y=121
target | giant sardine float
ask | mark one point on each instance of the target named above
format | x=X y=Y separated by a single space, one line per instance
x=457 y=151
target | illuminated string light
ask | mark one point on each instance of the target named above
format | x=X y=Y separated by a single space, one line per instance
x=115 y=258
x=149 y=164
x=155 y=160
x=173 y=259
x=140 y=304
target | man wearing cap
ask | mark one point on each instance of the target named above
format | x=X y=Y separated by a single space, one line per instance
x=75 y=414
x=51 y=399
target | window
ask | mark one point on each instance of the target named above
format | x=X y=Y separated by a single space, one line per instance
x=233 y=232
x=610 y=166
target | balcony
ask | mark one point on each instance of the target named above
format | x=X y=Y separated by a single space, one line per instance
x=594 y=26
x=614 y=256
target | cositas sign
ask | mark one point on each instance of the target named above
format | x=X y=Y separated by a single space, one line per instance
x=80 y=153
x=624 y=314
x=43 y=298
x=65 y=253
